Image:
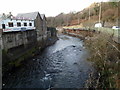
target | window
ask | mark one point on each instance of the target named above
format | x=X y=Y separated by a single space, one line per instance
x=25 y=24
x=30 y=24
x=18 y=24
x=3 y=26
x=10 y=24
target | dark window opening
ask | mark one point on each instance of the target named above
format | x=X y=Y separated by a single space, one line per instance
x=3 y=26
x=10 y=24
x=18 y=24
x=30 y=24
x=25 y=24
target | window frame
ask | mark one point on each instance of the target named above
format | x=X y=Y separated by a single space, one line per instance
x=3 y=26
x=30 y=24
x=10 y=24
x=25 y=23
x=18 y=24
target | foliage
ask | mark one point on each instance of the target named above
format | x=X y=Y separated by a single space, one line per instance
x=106 y=60
x=109 y=14
x=96 y=8
x=52 y=30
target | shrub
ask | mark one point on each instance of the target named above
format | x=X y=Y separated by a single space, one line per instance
x=105 y=56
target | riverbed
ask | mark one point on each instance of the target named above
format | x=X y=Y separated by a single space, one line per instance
x=62 y=65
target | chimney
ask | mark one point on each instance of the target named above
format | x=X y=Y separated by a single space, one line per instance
x=10 y=13
x=3 y=14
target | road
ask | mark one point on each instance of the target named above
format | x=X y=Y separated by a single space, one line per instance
x=62 y=65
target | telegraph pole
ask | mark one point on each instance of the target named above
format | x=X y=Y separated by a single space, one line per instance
x=99 y=16
x=78 y=20
x=67 y=21
x=89 y=20
x=89 y=13
x=100 y=13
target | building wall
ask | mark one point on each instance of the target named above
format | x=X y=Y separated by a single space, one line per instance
x=1 y=45
x=44 y=29
x=15 y=23
x=15 y=27
x=41 y=30
x=11 y=40
x=22 y=45
x=38 y=25
x=39 y=35
x=17 y=45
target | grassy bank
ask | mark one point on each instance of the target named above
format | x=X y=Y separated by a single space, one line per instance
x=106 y=60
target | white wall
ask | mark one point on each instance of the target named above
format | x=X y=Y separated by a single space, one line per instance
x=15 y=28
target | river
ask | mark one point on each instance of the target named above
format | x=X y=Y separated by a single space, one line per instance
x=62 y=65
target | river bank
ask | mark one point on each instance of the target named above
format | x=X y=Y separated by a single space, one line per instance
x=104 y=53
x=19 y=61
x=61 y=65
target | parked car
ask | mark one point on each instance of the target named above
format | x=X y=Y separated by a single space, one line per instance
x=115 y=27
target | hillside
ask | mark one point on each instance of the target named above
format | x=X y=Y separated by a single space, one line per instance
x=109 y=16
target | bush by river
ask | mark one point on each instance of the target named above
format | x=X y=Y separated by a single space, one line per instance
x=105 y=55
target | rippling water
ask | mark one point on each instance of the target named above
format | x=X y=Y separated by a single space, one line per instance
x=62 y=65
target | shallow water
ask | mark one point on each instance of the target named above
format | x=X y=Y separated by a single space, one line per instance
x=62 y=65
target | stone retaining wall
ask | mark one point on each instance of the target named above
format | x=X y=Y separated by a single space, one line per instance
x=19 y=46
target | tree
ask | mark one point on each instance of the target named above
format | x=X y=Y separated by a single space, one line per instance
x=96 y=8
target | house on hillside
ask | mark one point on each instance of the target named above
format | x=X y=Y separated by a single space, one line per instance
x=39 y=20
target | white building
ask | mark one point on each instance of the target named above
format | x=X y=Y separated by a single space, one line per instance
x=98 y=25
x=10 y=24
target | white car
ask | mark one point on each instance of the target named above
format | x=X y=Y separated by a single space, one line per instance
x=115 y=27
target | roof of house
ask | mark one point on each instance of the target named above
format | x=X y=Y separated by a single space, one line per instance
x=42 y=15
x=31 y=15
x=5 y=16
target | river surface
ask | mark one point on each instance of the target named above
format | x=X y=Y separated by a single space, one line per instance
x=62 y=65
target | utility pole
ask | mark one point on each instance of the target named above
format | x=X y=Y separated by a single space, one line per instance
x=89 y=13
x=99 y=16
x=100 y=13
x=88 y=27
x=78 y=20
x=89 y=19
x=67 y=21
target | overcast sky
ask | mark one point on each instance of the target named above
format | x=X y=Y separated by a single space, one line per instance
x=47 y=7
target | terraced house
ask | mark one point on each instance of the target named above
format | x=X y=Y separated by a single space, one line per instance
x=40 y=24
x=23 y=35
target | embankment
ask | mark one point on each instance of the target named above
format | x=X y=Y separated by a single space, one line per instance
x=20 y=46
x=105 y=55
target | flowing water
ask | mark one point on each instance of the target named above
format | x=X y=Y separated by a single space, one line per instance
x=62 y=65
